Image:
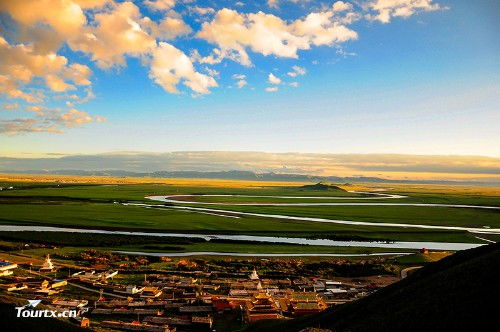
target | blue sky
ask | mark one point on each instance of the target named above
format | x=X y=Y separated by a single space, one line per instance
x=425 y=82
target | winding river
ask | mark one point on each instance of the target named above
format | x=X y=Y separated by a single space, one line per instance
x=263 y=239
x=181 y=202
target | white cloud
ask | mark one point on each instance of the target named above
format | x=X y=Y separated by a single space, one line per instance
x=241 y=83
x=294 y=84
x=76 y=118
x=263 y=33
x=296 y=71
x=19 y=64
x=386 y=9
x=202 y=10
x=276 y=3
x=340 y=6
x=169 y=66
x=273 y=79
x=169 y=28
x=160 y=5
x=78 y=73
x=57 y=84
x=323 y=28
x=65 y=16
x=116 y=33
x=272 y=89
x=270 y=35
x=37 y=109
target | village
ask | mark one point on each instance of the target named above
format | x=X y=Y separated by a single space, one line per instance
x=182 y=300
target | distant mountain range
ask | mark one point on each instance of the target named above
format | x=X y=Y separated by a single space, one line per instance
x=312 y=167
x=239 y=175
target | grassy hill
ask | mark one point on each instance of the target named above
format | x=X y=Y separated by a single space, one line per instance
x=321 y=186
x=458 y=293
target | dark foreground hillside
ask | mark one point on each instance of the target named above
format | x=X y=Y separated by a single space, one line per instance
x=459 y=293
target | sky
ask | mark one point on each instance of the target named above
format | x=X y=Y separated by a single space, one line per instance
x=354 y=77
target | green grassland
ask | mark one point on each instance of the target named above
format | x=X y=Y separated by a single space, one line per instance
x=97 y=206
x=120 y=217
x=440 y=216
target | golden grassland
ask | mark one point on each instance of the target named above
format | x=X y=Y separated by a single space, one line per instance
x=35 y=178
x=225 y=183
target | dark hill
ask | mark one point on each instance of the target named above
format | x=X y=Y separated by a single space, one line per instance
x=459 y=293
x=321 y=186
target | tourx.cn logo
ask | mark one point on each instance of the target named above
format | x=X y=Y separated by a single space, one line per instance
x=29 y=311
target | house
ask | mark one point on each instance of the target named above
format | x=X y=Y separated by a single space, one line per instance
x=151 y=292
x=133 y=289
x=58 y=283
x=70 y=303
x=6 y=268
x=136 y=326
x=202 y=321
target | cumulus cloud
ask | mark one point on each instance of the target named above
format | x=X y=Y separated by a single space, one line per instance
x=57 y=84
x=386 y=9
x=273 y=79
x=272 y=89
x=270 y=35
x=263 y=33
x=324 y=28
x=169 y=28
x=161 y=5
x=116 y=33
x=201 y=10
x=340 y=6
x=78 y=73
x=19 y=65
x=66 y=17
x=296 y=71
x=241 y=80
x=294 y=84
x=76 y=118
x=169 y=66
x=241 y=83
x=11 y=88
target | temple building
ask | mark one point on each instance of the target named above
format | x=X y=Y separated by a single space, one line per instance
x=262 y=306
x=47 y=265
x=254 y=275
x=304 y=303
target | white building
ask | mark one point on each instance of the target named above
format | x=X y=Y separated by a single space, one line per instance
x=254 y=275
x=47 y=265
